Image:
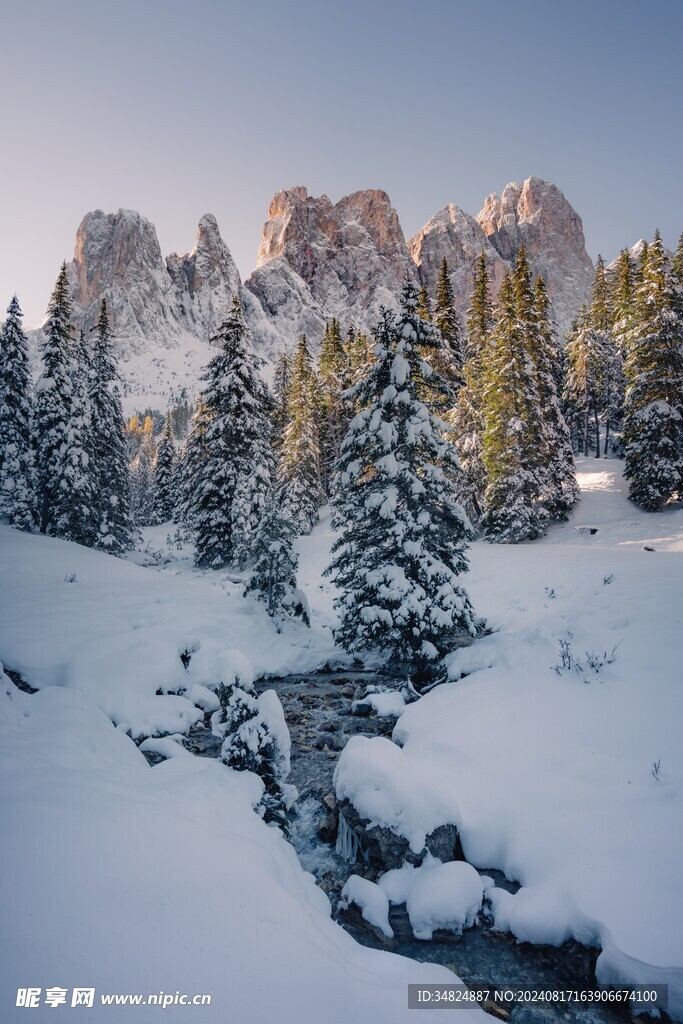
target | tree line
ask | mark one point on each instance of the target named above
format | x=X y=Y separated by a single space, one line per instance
x=421 y=436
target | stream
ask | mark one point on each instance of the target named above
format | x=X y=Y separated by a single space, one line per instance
x=318 y=712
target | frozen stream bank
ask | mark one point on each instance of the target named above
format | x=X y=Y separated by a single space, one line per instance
x=318 y=708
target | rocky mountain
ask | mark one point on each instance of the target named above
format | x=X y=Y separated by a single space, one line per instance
x=535 y=213
x=163 y=312
x=456 y=236
x=317 y=259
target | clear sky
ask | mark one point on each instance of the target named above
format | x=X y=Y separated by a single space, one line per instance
x=177 y=109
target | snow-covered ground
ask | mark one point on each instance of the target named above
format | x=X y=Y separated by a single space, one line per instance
x=550 y=776
x=132 y=879
x=136 y=879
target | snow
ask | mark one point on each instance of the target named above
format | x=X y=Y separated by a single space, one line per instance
x=446 y=896
x=410 y=796
x=547 y=774
x=388 y=704
x=116 y=632
x=372 y=901
x=397 y=882
x=136 y=879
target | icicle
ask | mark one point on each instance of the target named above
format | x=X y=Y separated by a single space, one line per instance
x=348 y=843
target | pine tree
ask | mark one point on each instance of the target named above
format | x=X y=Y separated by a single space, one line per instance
x=66 y=495
x=251 y=745
x=556 y=457
x=510 y=441
x=281 y=385
x=299 y=469
x=450 y=357
x=227 y=468
x=402 y=542
x=424 y=304
x=594 y=386
x=273 y=577
x=359 y=355
x=653 y=423
x=164 y=476
x=677 y=280
x=142 y=484
x=480 y=316
x=581 y=384
x=467 y=415
x=107 y=444
x=333 y=375
x=17 y=480
x=622 y=292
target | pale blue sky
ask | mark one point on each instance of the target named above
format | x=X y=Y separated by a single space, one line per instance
x=177 y=109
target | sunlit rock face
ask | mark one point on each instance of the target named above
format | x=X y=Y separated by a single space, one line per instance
x=538 y=215
x=318 y=259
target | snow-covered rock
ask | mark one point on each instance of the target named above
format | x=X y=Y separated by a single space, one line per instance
x=457 y=237
x=318 y=260
x=537 y=214
x=372 y=901
x=443 y=896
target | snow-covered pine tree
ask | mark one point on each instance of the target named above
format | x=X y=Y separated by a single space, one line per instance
x=108 y=446
x=192 y=456
x=164 y=475
x=252 y=490
x=66 y=494
x=273 y=577
x=653 y=426
x=449 y=359
x=251 y=744
x=603 y=314
x=594 y=385
x=622 y=295
x=403 y=536
x=227 y=471
x=511 y=407
x=677 y=281
x=561 y=491
x=359 y=355
x=281 y=384
x=467 y=415
x=142 y=484
x=333 y=375
x=17 y=480
x=581 y=381
x=299 y=468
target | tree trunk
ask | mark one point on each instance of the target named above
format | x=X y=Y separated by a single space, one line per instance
x=597 y=432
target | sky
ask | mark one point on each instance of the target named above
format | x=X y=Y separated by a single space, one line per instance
x=177 y=109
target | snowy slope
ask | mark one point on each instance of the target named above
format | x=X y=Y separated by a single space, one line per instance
x=130 y=878
x=116 y=631
x=133 y=879
x=552 y=774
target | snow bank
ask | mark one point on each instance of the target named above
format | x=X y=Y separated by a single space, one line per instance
x=388 y=704
x=410 y=796
x=372 y=901
x=85 y=620
x=133 y=879
x=552 y=773
x=446 y=896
